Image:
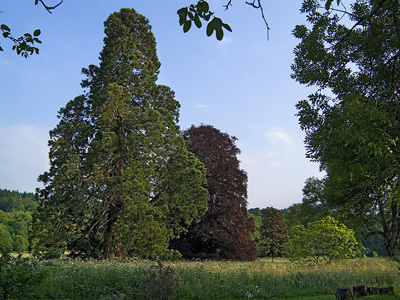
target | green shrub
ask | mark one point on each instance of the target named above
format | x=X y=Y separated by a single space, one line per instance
x=17 y=276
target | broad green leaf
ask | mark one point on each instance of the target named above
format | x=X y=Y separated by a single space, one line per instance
x=187 y=25
x=191 y=15
x=220 y=33
x=328 y=4
x=5 y=27
x=227 y=27
x=210 y=28
x=197 y=21
x=217 y=23
x=37 y=32
x=182 y=15
x=204 y=7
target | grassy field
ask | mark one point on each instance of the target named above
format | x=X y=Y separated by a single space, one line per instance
x=262 y=279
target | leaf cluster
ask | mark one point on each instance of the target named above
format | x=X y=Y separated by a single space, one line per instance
x=24 y=45
x=201 y=11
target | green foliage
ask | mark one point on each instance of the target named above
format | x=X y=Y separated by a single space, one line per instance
x=6 y=243
x=274 y=230
x=17 y=276
x=23 y=45
x=324 y=239
x=121 y=181
x=201 y=10
x=261 y=241
x=15 y=215
x=11 y=201
x=314 y=204
x=350 y=122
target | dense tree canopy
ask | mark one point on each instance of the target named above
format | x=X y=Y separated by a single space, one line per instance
x=121 y=181
x=274 y=229
x=15 y=201
x=352 y=121
x=16 y=219
x=224 y=231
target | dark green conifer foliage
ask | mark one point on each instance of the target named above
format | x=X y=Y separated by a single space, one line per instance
x=121 y=181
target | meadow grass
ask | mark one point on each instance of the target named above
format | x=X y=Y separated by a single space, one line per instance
x=261 y=279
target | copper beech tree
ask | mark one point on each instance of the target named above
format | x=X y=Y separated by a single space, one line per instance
x=224 y=230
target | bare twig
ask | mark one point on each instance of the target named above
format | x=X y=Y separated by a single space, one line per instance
x=50 y=8
x=227 y=5
x=257 y=4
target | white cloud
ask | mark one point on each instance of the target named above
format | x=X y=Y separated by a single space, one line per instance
x=247 y=160
x=202 y=106
x=278 y=136
x=270 y=154
x=23 y=156
x=281 y=149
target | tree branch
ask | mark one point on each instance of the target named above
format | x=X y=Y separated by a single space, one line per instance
x=257 y=4
x=47 y=7
x=359 y=22
x=227 y=5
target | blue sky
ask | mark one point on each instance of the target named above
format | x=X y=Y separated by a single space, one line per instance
x=241 y=85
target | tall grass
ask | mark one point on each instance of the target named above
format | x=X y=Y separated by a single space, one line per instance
x=261 y=279
x=280 y=279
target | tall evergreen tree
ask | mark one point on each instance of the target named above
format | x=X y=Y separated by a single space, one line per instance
x=224 y=231
x=121 y=181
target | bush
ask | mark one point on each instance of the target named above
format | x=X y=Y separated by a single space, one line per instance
x=17 y=275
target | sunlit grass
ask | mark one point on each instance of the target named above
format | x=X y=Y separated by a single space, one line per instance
x=261 y=279
x=281 y=278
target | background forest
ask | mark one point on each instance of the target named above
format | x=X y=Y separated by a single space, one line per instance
x=17 y=208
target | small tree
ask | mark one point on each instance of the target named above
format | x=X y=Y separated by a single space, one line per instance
x=260 y=241
x=273 y=228
x=325 y=238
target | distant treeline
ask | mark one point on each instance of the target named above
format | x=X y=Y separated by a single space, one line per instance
x=15 y=219
x=15 y=201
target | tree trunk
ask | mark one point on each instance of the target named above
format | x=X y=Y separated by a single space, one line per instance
x=112 y=217
x=390 y=225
